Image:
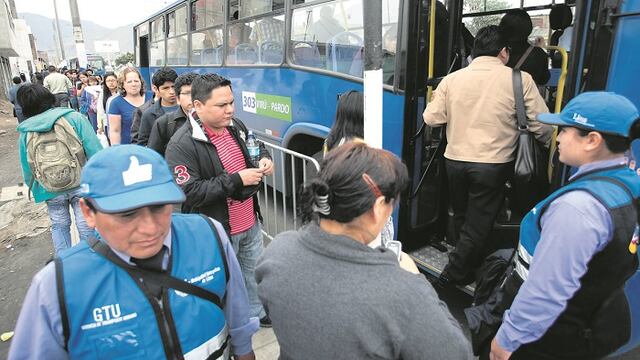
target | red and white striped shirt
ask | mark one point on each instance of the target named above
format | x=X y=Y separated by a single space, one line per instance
x=241 y=213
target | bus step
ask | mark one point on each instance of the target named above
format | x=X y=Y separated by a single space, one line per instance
x=432 y=261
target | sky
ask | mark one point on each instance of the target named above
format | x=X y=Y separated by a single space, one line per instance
x=107 y=13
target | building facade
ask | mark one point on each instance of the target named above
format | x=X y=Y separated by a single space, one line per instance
x=8 y=46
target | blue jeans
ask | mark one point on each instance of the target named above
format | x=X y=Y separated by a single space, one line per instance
x=61 y=219
x=248 y=247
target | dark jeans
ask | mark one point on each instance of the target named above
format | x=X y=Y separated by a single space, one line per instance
x=62 y=100
x=477 y=193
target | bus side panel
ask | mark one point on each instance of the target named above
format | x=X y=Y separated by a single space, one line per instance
x=623 y=79
x=312 y=96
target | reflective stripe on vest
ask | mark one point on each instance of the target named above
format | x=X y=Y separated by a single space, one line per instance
x=109 y=315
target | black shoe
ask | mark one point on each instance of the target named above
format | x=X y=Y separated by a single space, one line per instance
x=265 y=322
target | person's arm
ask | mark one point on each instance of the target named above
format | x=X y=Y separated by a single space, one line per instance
x=68 y=83
x=38 y=332
x=431 y=331
x=534 y=104
x=115 y=122
x=101 y=115
x=46 y=84
x=560 y=260
x=199 y=191
x=89 y=139
x=135 y=122
x=157 y=140
x=436 y=112
x=236 y=310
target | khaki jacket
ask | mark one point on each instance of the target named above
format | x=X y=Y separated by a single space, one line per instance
x=478 y=106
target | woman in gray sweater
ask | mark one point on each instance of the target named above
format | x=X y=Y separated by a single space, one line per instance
x=329 y=295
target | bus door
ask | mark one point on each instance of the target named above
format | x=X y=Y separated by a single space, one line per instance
x=424 y=215
x=142 y=50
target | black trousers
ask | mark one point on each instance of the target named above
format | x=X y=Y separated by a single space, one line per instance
x=476 y=194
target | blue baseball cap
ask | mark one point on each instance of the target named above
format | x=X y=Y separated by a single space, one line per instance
x=126 y=177
x=600 y=111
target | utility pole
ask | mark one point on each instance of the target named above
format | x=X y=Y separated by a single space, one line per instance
x=56 y=25
x=77 y=34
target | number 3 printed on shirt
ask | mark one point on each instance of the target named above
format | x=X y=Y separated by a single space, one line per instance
x=182 y=176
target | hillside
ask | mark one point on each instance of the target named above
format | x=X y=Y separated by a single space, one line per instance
x=43 y=30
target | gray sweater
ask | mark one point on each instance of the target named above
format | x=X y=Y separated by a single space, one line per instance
x=330 y=297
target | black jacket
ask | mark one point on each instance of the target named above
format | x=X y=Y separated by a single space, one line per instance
x=197 y=168
x=536 y=64
x=137 y=116
x=149 y=116
x=164 y=128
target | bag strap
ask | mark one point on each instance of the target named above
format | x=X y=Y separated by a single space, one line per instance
x=518 y=96
x=163 y=279
x=524 y=57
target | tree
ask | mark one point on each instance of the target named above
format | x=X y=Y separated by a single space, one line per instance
x=478 y=22
x=125 y=59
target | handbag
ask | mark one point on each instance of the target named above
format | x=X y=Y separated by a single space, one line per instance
x=530 y=169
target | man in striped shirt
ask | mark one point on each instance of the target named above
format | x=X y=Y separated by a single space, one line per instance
x=210 y=161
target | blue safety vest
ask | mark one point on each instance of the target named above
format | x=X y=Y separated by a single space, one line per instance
x=110 y=317
x=597 y=319
x=615 y=188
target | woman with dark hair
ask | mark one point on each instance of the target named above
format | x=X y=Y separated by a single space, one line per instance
x=38 y=107
x=329 y=295
x=516 y=26
x=349 y=122
x=121 y=109
x=109 y=89
x=349 y=126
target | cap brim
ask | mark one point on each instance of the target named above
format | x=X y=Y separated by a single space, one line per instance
x=553 y=119
x=167 y=193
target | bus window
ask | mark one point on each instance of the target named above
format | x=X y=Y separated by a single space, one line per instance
x=156 y=53
x=177 y=44
x=239 y=9
x=207 y=13
x=206 y=47
x=259 y=41
x=330 y=36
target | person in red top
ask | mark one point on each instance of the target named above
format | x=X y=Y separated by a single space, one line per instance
x=211 y=163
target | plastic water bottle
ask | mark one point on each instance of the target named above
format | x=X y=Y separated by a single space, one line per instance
x=253 y=148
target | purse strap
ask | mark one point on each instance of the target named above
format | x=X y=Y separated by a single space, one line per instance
x=523 y=57
x=518 y=96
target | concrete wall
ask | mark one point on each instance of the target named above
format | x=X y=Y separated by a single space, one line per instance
x=7 y=47
x=20 y=63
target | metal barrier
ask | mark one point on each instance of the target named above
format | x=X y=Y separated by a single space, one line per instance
x=279 y=196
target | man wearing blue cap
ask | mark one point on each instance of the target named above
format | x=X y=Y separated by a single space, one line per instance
x=150 y=284
x=578 y=246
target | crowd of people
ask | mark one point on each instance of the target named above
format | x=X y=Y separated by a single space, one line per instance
x=171 y=262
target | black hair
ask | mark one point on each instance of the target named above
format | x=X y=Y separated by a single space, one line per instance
x=23 y=77
x=39 y=76
x=615 y=143
x=106 y=93
x=341 y=180
x=349 y=119
x=16 y=80
x=182 y=80
x=489 y=42
x=34 y=99
x=52 y=68
x=162 y=76
x=203 y=85
x=516 y=26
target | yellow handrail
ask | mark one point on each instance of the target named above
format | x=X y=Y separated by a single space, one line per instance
x=558 y=104
x=432 y=40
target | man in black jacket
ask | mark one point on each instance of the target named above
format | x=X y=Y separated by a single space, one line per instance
x=168 y=124
x=162 y=85
x=210 y=161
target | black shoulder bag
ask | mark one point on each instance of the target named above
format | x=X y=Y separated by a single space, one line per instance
x=530 y=180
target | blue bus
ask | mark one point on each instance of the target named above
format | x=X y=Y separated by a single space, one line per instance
x=289 y=60
x=94 y=62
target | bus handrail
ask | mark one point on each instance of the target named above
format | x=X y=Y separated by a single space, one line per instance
x=432 y=46
x=558 y=104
